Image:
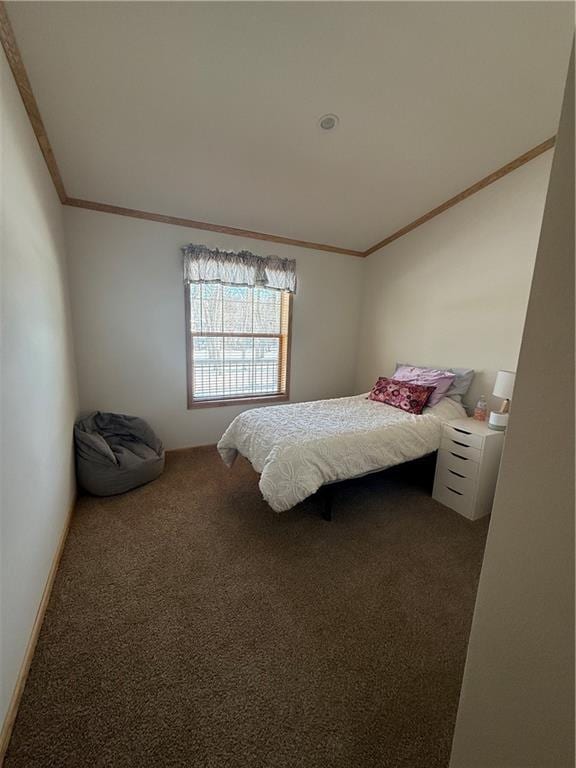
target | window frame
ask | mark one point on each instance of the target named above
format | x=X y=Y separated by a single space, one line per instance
x=193 y=402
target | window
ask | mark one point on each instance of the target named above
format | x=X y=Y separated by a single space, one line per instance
x=238 y=342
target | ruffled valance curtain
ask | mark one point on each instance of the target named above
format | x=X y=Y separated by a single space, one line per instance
x=210 y=265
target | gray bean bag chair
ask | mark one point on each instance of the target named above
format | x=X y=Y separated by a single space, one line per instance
x=115 y=453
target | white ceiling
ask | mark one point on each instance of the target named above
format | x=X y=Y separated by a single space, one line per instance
x=209 y=110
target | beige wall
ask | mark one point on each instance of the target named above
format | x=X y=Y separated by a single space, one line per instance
x=38 y=394
x=417 y=300
x=128 y=309
x=517 y=702
x=454 y=291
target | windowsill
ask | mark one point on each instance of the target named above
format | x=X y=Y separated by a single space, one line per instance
x=249 y=400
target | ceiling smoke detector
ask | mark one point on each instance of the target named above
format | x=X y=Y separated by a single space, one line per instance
x=328 y=122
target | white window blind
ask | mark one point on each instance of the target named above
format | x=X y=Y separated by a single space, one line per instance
x=238 y=342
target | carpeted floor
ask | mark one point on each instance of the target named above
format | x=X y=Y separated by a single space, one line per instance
x=189 y=625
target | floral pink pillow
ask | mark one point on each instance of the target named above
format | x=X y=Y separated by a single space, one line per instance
x=401 y=394
x=440 y=380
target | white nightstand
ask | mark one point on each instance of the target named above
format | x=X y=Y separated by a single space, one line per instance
x=467 y=467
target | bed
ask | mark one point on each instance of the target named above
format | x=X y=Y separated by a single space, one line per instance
x=299 y=448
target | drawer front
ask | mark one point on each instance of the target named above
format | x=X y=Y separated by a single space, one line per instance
x=460 y=448
x=460 y=465
x=462 y=435
x=459 y=502
x=453 y=479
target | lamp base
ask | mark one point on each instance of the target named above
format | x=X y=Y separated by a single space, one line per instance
x=498 y=421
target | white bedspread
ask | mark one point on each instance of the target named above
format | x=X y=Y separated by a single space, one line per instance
x=297 y=448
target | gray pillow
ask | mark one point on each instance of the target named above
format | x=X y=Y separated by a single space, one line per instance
x=462 y=379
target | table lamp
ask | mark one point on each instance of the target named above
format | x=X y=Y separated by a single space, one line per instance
x=503 y=387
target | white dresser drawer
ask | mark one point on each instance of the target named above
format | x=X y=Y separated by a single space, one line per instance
x=455 y=480
x=459 y=448
x=458 y=501
x=467 y=467
x=462 y=435
x=461 y=465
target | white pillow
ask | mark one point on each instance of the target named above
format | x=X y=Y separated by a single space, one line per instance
x=462 y=379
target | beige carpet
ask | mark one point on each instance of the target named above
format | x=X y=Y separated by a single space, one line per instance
x=191 y=626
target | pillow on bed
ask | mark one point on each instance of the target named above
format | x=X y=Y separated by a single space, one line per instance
x=401 y=394
x=441 y=380
x=462 y=380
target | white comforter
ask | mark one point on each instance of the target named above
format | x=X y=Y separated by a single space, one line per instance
x=299 y=447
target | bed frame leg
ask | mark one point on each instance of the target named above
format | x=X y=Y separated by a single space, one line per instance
x=326 y=501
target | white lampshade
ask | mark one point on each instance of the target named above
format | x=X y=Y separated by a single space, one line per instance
x=504 y=384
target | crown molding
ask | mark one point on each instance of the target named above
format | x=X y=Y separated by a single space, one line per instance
x=486 y=181
x=23 y=84
x=16 y=63
x=193 y=224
